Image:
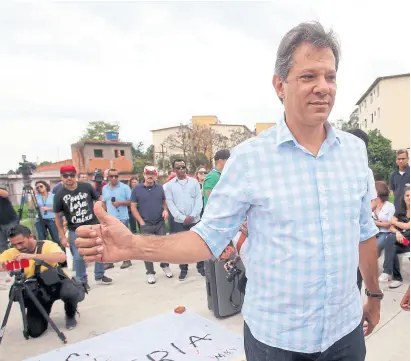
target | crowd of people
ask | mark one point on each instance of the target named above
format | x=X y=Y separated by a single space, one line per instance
x=314 y=217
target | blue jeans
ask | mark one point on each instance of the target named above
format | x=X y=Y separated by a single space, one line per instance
x=52 y=228
x=79 y=264
x=350 y=348
x=381 y=241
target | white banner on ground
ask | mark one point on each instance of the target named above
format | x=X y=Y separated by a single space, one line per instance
x=167 y=337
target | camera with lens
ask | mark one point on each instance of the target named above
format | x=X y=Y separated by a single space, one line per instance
x=26 y=170
x=232 y=270
x=98 y=175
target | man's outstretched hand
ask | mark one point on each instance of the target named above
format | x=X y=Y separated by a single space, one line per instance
x=109 y=241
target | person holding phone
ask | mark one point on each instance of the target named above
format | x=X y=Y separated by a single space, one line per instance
x=397 y=242
x=116 y=197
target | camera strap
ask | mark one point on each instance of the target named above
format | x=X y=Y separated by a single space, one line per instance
x=39 y=249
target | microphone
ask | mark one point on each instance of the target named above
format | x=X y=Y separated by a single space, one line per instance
x=113 y=199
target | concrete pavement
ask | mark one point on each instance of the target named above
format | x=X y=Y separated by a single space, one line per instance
x=130 y=299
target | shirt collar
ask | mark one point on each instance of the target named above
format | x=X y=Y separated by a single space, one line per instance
x=284 y=134
x=117 y=186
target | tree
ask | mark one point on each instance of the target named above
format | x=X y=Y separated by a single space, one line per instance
x=238 y=136
x=352 y=123
x=11 y=171
x=381 y=157
x=97 y=130
x=141 y=157
x=46 y=162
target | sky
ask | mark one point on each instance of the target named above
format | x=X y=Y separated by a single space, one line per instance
x=148 y=65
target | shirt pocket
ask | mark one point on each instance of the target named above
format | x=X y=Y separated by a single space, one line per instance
x=353 y=190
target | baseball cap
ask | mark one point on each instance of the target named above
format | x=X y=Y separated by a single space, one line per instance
x=222 y=154
x=150 y=168
x=68 y=168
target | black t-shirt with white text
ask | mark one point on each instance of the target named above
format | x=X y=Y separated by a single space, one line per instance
x=77 y=205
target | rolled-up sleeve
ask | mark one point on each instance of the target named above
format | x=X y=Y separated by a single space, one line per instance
x=227 y=207
x=368 y=228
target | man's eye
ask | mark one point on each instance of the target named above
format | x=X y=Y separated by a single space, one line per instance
x=307 y=76
x=332 y=77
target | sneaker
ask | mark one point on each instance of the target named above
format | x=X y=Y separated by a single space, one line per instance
x=151 y=279
x=385 y=277
x=395 y=284
x=168 y=272
x=183 y=276
x=201 y=272
x=108 y=266
x=71 y=322
x=126 y=264
x=104 y=281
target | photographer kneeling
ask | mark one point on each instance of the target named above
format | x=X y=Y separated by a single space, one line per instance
x=51 y=283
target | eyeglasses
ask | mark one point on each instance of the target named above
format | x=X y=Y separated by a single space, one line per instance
x=39 y=187
x=181 y=167
x=69 y=175
x=113 y=176
x=402 y=159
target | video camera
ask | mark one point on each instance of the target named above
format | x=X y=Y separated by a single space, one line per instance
x=232 y=270
x=98 y=175
x=25 y=170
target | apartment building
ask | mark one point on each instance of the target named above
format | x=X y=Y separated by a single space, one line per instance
x=386 y=106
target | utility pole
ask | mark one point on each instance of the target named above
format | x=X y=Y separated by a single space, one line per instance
x=164 y=160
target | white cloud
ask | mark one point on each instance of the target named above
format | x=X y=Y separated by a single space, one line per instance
x=149 y=65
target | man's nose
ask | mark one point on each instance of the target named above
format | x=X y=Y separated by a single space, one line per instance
x=322 y=86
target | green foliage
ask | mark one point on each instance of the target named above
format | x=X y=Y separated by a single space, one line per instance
x=46 y=162
x=141 y=157
x=96 y=130
x=381 y=157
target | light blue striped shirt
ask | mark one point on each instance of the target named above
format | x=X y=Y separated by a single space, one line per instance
x=306 y=217
x=184 y=199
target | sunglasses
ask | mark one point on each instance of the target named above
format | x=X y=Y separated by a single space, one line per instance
x=150 y=173
x=39 y=187
x=113 y=176
x=181 y=167
x=69 y=175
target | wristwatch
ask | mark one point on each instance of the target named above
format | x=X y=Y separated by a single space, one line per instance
x=376 y=295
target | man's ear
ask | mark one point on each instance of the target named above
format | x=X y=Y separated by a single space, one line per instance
x=278 y=85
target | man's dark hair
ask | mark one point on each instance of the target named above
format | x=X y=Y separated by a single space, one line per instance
x=17 y=230
x=360 y=134
x=402 y=151
x=222 y=154
x=45 y=184
x=178 y=160
x=112 y=170
x=82 y=173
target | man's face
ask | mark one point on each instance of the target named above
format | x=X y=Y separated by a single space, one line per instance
x=402 y=160
x=309 y=90
x=223 y=162
x=23 y=244
x=180 y=169
x=113 y=178
x=150 y=177
x=83 y=178
x=68 y=178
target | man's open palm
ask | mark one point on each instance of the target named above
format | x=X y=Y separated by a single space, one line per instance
x=109 y=241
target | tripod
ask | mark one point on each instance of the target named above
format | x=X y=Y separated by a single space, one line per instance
x=28 y=193
x=17 y=291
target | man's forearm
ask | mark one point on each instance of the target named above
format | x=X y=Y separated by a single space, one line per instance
x=59 y=224
x=369 y=264
x=51 y=257
x=179 y=248
x=124 y=203
x=136 y=215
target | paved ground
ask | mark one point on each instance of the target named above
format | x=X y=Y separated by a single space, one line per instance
x=130 y=299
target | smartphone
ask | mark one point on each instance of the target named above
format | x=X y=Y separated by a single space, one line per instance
x=406 y=242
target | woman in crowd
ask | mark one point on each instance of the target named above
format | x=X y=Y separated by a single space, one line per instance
x=383 y=214
x=45 y=200
x=133 y=223
x=397 y=242
x=200 y=175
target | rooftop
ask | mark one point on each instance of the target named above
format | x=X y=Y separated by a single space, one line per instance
x=376 y=81
x=101 y=142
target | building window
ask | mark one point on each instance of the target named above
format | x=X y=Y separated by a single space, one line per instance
x=372 y=118
x=119 y=153
x=379 y=112
x=365 y=104
x=365 y=123
x=378 y=90
x=371 y=98
x=98 y=153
